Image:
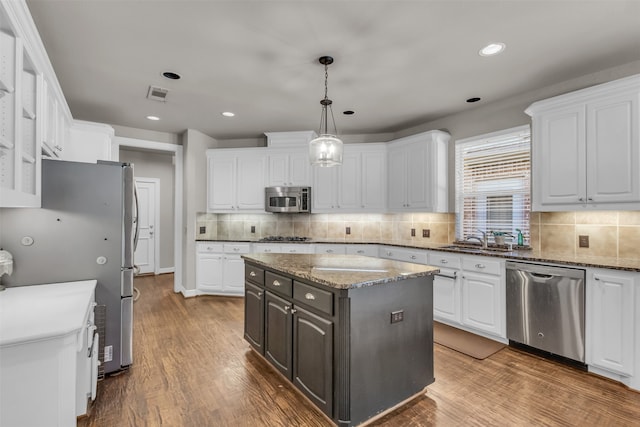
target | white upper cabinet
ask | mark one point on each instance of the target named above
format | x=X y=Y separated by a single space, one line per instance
x=358 y=185
x=417 y=178
x=586 y=148
x=236 y=180
x=289 y=168
x=28 y=86
x=88 y=142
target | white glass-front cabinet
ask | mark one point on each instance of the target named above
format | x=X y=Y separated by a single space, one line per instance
x=236 y=180
x=586 y=148
x=20 y=127
x=417 y=179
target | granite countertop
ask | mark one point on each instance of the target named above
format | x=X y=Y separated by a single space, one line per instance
x=342 y=271
x=516 y=255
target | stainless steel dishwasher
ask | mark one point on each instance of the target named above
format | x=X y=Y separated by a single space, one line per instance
x=545 y=308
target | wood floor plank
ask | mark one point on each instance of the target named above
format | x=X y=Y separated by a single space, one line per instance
x=192 y=367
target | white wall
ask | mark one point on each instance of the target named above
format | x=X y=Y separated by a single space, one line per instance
x=195 y=145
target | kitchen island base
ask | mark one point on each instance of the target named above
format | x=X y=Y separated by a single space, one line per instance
x=356 y=352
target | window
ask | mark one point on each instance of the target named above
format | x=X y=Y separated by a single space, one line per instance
x=492 y=183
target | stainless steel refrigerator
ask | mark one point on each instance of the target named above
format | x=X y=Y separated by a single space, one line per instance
x=84 y=230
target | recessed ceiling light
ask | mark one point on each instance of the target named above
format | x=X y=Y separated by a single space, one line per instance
x=228 y=114
x=492 y=49
x=348 y=112
x=155 y=118
x=475 y=99
x=171 y=75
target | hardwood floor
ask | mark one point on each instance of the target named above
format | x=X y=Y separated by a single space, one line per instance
x=193 y=368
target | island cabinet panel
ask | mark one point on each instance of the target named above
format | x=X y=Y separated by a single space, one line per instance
x=278 y=333
x=313 y=358
x=254 y=316
x=339 y=346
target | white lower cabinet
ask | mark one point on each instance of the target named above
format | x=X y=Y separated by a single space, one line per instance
x=469 y=293
x=220 y=268
x=612 y=307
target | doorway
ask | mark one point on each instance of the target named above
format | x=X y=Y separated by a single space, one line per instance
x=146 y=256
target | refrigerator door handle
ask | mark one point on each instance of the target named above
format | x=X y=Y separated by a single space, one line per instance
x=135 y=217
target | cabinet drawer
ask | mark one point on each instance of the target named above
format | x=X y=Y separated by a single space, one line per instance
x=278 y=283
x=210 y=247
x=441 y=259
x=482 y=265
x=254 y=274
x=313 y=297
x=237 y=248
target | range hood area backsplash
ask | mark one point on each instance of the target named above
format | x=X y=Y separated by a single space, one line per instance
x=611 y=233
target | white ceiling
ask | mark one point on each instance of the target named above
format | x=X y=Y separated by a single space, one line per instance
x=397 y=63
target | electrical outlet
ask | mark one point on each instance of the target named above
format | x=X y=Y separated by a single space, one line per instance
x=426 y=232
x=583 y=241
x=253 y=228
x=203 y=230
x=108 y=353
x=413 y=232
x=397 y=316
x=348 y=230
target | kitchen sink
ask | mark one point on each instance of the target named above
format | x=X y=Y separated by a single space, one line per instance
x=474 y=249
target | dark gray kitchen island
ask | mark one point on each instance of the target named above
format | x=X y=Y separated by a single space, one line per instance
x=353 y=334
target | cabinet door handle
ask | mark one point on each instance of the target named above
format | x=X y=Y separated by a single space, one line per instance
x=590 y=199
x=444 y=261
x=293 y=310
x=596 y=278
x=286 y=308
x=259 y=294
x=276 y=283
x=581 y=199
x=309 y=296
x=252 y=273
x=480 y=266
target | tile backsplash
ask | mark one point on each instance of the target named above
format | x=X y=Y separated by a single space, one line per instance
x=362 y=227
x=611 y=233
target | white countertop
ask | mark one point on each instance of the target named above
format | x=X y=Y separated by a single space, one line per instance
x=31 y=313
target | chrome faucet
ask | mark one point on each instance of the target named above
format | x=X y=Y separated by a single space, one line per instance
x=482 y=240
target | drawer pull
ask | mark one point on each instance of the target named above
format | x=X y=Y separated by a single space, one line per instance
x=276 y=283
x=360 y=251
x=267 y=250
x=444 y=261
x=252 y=273
x=236 y=249
x=329 y=251
x=480 y=266
x=309 y=296
x=413 y=257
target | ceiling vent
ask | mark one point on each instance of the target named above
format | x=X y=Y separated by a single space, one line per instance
x=157 y=93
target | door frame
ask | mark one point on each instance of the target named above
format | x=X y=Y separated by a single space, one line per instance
x=177 y=151
x=156 y=220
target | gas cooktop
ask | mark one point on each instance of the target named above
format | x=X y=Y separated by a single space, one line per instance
x=283 y=239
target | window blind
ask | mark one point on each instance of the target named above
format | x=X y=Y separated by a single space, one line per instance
x=493 y=183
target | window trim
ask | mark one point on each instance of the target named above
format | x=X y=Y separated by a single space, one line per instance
x=458 y=172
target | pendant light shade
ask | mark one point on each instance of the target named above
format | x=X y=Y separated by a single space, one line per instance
x=326 y=150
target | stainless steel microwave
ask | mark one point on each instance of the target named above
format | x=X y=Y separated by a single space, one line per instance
x=287 y=199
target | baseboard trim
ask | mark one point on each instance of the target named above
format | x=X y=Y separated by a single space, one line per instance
x=189 y=293
x=166 y=270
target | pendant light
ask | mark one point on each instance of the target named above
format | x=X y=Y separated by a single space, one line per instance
x=326 y=150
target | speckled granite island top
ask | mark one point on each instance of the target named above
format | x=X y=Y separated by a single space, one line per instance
x=341 y=271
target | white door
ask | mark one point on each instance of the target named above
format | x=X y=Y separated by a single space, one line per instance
x=145 y=256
